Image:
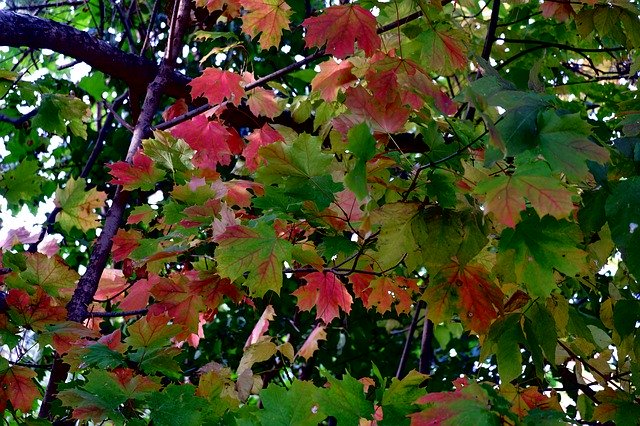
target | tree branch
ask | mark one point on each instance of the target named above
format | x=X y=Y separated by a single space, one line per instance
x=88 y=283
x=17 y=30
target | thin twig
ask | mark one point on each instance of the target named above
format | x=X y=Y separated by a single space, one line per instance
x=407 y=344
x=116 y=314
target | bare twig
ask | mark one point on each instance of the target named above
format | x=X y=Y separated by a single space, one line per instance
x=407 y=344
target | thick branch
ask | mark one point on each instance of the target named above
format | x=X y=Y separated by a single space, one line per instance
x=17 y=30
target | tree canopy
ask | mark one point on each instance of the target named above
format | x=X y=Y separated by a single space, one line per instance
x=376 y=212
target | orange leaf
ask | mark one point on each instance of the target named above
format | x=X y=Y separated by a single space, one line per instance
x=326 y=293
x=479 y=300
x=332 y=77
x=269 y=17
x=217 y=85
x=340 y=27
x=311 y=344
x=364 y=107
x=387 y=291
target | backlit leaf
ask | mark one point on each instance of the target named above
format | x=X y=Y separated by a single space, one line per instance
x=340 y=27
x=326 y=293
x=78 y=205
x=269 y=17
x=256 y=251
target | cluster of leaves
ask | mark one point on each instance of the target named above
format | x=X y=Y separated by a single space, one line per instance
x=462 y=168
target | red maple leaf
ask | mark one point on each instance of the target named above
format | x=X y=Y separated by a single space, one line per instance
x=340 y=27
x=364 y=107
x=217 y=85
x=175 y=296
x=178 y=108
x=479 y=300
x=35 y=311
x=17 y=386
x=264 y=136
x=326 y=293
x=124 y=242
x=213 y=142
x=332 y=77
x=138 y=295
x=140 y=174
x=238 y=192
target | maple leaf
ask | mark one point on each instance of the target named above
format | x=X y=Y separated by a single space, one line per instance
x=326 y=293
x=112 y=282
x=565 y=145
x=175 y=296
x=229 y=8
x=364 y=107
x=561 y=10
x=269 y=17
x=140 y=174
x=256 y=251
x=18 y=236
x=340 y=27
x=310 y=345
x=445 y=48
x=539 y=246
x=151 y=332
x=217 y=85
x=261 y=326
x=17 y=386
x=124 y=242
x=78 y=205
x=332 y=77
x=49 y=273
x=138 y=295
x=178 y=108
x=479 y=300
x=505 y=195
x=35 y=312
x=213 y=142
x=264 y=102
x=387 y=291
x=466 y=405
x=65 y=335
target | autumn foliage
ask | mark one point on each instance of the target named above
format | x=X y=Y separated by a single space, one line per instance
x=374 y=212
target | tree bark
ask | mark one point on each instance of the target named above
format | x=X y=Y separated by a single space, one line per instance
x=18 y=30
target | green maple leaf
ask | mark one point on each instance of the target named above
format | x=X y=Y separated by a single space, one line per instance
x=22 y=183
x=565 y=145
x=177 y=399
x=78 y=205
x=399 y=399
x=504 y=340
x=257 y=252
x=169 y=153
x=345 y=400
x=294 y=406
x=362 y=146
x=537 y=247
x=623 y=213
x=59 y=111
x=301 y=169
